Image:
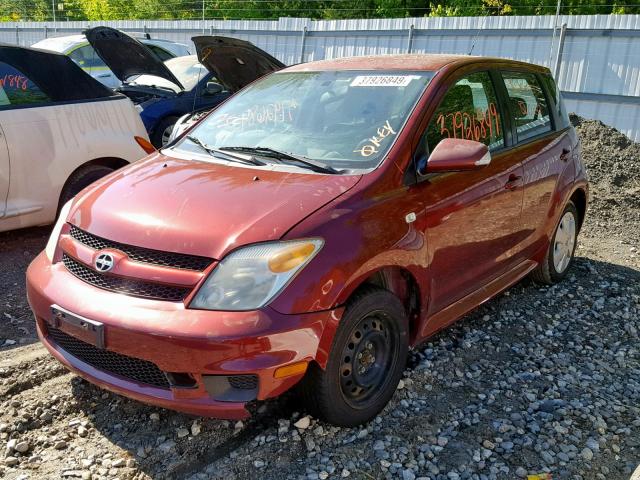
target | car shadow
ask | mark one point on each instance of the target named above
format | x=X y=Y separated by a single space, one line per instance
x=164 y=447
x=162 y=441
x=17 y=249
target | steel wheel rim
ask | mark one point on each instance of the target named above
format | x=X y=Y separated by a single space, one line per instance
x=367 y=359
x=564 y=242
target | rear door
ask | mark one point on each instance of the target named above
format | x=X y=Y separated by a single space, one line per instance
x=473 y=218
x=4 y=167
x=544 y=145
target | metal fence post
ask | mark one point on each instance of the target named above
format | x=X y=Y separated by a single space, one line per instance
x=17 y=35
x=302 y=44
x=46 y=32
x=556 y=68
x=410 y=40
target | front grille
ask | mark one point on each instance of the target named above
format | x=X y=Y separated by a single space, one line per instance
x=244 y=382
x=127 y=286
x=140 y=254
x=135 y=369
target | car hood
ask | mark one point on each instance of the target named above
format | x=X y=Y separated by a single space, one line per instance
x=126 y=56
x=235 y=63
x=201 y=208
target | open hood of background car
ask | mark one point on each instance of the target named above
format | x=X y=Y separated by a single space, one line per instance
x=126 y=56
x=235 y=63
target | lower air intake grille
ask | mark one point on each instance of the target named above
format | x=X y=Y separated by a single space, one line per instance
x=135 y=369
x=244 y=382
x=127 y=286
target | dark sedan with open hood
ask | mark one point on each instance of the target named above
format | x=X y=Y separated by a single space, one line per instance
x=164 y=91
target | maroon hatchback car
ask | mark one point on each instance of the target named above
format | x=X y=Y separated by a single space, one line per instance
x=312 y=229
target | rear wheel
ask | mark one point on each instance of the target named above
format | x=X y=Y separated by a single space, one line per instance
x=366 y=361
x=561 y=249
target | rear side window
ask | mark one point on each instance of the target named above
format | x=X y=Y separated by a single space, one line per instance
x=87 y=58
x=552 y=88
x=470 y=111
x=528 y=104
x=17 y=89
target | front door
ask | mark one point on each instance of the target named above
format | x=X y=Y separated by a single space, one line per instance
x=473 y=218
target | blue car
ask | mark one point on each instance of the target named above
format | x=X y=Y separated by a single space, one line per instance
x=165 y=91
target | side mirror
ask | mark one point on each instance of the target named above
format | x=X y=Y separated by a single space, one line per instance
x=456 y=155
x=212 y=88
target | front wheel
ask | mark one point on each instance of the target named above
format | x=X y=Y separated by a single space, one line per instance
x=367 y=357
x=162 y=133
x=561 y=249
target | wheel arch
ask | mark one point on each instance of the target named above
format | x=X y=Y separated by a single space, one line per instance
x=396 y=279
x=110 y=162
x=579 y=199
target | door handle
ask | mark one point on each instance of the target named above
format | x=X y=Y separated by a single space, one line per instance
x=513 y=182
x=564 y=156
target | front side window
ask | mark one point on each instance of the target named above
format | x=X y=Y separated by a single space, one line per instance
x=528 y=105
x=160 y=52
x=17 y=89
x=87 y=58
x=469 y=110
x=347 y=119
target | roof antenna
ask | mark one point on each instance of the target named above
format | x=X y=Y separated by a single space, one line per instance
x=193 y=107
x=480 y=28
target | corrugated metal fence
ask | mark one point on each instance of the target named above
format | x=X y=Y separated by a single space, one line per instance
x=596 y=57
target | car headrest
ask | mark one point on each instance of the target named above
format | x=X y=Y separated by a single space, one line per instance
x=460 y=99
x=519 y=107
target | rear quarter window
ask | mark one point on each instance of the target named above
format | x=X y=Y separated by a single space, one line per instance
x=527 y=104
x=17 y=89
x=561 y=111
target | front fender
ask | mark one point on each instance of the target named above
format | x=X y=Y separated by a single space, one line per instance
x=363 y=234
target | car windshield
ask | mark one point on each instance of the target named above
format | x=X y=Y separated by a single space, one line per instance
x=345 y=119
x=186 y=69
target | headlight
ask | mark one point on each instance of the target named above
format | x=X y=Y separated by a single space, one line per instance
x=251 y=276
x=50 y=249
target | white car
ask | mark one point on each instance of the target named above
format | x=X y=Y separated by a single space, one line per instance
x=80 y=51
x=60 y=130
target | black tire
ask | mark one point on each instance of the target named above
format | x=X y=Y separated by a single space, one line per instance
x=163 y=125
x=81 y=178
x=373 y=317
x=546 y=272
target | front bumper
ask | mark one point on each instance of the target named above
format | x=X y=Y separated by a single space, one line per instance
x=196 y=343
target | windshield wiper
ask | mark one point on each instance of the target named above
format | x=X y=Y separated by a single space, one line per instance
x=286 y=157
x=218 y=153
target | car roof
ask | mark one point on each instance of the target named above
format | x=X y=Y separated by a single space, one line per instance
x=60 y=44
x=65 y=43
x=416 y=62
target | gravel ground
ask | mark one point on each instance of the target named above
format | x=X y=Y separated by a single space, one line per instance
x=540 y=379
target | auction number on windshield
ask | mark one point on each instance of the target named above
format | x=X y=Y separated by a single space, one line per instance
x=271 y=113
